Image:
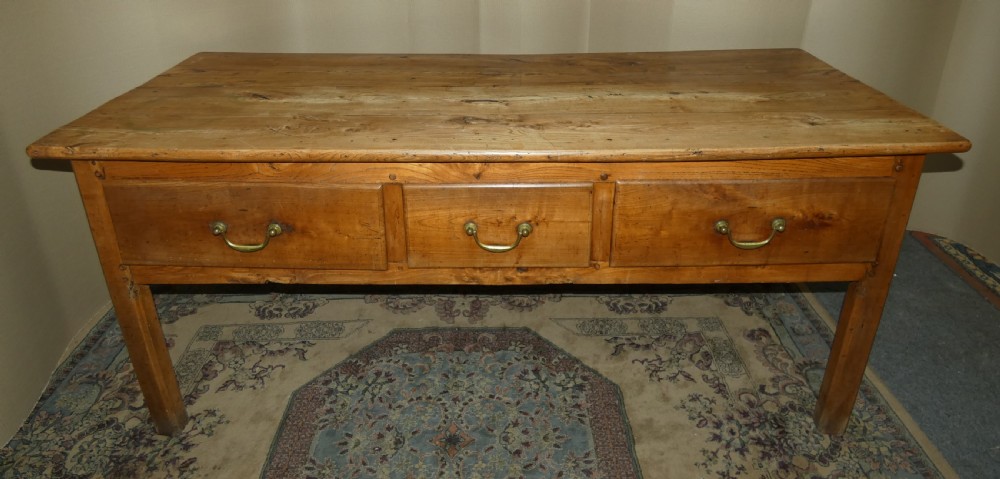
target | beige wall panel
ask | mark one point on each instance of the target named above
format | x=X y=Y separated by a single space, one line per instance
x=183 y=27
x=350 y=26
x=444 y=26
x=630 y=25
x=499 y=26
x=383 y=26
x=727 y=24
x=554 y=26
x=897 y=46
x=530 y=26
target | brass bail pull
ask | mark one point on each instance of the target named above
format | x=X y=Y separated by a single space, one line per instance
x=219 y=229
x=523 y=230
x=777 y=226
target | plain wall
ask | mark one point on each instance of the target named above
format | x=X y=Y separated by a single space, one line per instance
x=62 y=58
x=962 y=202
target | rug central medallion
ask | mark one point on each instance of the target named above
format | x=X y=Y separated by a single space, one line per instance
x=456 y=402
x=452 y=440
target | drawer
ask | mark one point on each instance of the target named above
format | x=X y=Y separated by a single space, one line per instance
x=672 y=223
x=167 y=223
x=559 y=217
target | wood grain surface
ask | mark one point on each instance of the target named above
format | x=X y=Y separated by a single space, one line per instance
x=323 y=226
x=671 y=223
x=560 y=216
x=728 y=105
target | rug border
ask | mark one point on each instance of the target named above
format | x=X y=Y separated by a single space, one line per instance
x=928 y=241
x=918 y=435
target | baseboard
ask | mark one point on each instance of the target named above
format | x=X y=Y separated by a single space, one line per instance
x=85 y=330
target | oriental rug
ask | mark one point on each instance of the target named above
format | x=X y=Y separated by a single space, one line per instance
x=481 y=383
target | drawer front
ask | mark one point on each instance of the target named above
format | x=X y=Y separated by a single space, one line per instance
x=437 y=215
x=163 y=223
x=675 y=223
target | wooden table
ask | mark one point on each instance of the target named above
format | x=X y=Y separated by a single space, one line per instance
x=692 y=167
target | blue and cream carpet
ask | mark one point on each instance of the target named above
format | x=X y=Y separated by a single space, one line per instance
x=567 y=383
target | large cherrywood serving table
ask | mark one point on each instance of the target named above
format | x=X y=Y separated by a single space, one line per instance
x=693 y=167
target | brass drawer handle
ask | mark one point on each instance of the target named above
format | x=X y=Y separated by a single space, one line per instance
x=219 y=229
x=523 y=230
x=777 y=226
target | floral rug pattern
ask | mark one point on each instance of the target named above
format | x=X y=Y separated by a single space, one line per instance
x=716 y=383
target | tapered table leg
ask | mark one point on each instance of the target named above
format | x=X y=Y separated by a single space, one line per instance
x=862 y=310
x=147 y=350
x=849 y=355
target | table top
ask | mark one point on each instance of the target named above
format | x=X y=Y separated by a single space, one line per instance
x=609 y=107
